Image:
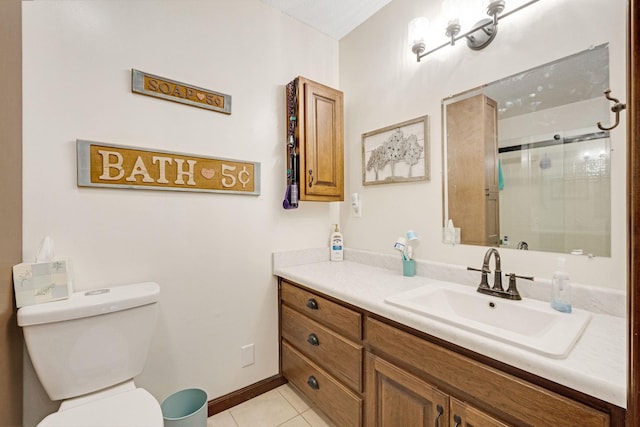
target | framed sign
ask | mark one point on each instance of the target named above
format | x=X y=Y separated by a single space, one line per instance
x=171 y=90
x=398 y=153
x=116 y=166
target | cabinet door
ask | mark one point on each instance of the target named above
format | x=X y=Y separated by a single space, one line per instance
x=463 y=415
x=396 y=398
x=322 y=177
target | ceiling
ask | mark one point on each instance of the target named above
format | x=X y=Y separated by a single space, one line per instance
x=335 y=18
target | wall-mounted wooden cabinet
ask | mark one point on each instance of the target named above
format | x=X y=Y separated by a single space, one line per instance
x=319 y=133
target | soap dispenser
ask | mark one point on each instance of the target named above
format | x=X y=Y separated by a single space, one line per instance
x=336 y=245
x=561 y=289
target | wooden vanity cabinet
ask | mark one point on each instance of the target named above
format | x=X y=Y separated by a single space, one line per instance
x=321 y=352
x=495 y=395
x=360 y=369
x=398 y=398
x=320 y=137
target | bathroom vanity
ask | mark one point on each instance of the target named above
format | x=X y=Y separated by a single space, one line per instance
x=365 y=362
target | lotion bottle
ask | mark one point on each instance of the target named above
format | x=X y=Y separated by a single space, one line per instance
x=561 y=289
x=337 y=245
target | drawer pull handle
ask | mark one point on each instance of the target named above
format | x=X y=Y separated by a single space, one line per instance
x=440 y=410
x=458 y=420
x=312 y=304
x=313 y=339
x=313 y=383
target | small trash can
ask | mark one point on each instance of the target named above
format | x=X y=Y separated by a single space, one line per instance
x=185 y=408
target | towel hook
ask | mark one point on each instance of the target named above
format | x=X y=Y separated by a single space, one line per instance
x=616 y=108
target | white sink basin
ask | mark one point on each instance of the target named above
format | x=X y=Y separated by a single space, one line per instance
x=529 y=324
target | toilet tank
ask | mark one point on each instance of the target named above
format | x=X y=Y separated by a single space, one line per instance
x=94 y=339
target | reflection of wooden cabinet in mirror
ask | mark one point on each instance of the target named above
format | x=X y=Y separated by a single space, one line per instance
x=472 y=169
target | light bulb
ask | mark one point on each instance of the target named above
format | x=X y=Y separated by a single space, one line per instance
x=417 y=30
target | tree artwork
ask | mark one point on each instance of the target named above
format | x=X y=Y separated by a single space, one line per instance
x=394 y=152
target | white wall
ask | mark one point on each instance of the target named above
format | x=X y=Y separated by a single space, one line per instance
x=384 y=84
x=210 y=253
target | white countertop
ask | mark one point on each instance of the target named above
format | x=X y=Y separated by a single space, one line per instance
x=596 y=365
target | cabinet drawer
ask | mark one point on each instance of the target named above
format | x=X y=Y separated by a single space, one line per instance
x=509 y=397
x=329 y=313
x=339 y=356
x=332 y=398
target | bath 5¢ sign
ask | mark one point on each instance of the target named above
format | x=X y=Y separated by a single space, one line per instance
x=171 y=90
x=108 y=165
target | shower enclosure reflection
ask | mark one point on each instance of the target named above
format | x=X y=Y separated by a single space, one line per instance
x=526 y=165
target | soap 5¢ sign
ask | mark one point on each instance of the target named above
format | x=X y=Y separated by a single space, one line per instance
x=108 y=165
x=171 y=90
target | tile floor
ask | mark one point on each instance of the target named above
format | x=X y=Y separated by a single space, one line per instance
x=280 y=407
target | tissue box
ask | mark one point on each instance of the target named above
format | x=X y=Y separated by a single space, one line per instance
x=451 y=235
x=35 y=283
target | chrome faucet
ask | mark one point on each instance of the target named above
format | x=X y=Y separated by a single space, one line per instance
x=497 y=289
x=497 y=278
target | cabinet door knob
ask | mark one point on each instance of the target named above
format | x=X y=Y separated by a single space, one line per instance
x=310 y=178
x=313 y=382
x=313 y=339
x=440 y=411
x=457 y=420
x=312 y=304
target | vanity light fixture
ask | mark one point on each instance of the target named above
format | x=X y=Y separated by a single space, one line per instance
x=478 y=37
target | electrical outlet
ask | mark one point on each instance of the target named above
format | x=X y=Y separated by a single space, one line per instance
x=247 y=355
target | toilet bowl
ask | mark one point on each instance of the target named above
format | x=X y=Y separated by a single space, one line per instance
x=87 y=349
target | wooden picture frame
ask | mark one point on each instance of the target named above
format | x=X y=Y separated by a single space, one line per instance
x=397 y=153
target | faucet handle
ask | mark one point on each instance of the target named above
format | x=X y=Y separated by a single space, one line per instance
x=483 y=282
x=512 y=276
x=513 y=290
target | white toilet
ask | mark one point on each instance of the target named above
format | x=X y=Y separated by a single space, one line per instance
x=86 y=351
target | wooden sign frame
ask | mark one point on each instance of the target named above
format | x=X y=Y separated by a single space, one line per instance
x=117 y=166
x=171 y=90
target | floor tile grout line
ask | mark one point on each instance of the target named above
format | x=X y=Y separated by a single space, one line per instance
x=298 y=413
x=234 y=419
x=285 y=398
x=288 y=401
x=295 y=416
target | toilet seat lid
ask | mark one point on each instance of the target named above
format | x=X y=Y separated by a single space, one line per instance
x=133 y=408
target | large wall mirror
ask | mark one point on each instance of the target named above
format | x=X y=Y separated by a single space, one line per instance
x=526 y=165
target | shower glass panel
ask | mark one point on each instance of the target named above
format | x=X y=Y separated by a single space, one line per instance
x=556 y=192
